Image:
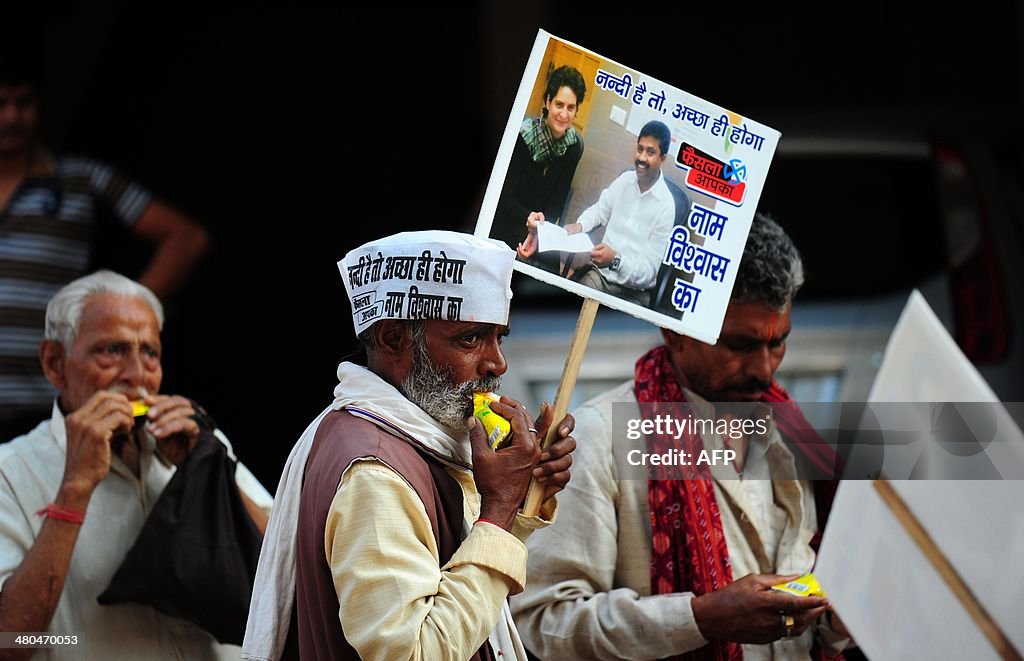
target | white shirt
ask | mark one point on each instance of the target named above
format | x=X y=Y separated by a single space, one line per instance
x=31 y=471
x=639 y=226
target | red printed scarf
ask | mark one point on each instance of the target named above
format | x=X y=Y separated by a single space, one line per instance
x=689 y=552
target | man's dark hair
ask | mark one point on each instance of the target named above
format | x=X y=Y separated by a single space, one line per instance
x=565 y=76
x=659 y=132
x=771 y=271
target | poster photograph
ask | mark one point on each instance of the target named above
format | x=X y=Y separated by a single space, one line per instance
x=619 y=187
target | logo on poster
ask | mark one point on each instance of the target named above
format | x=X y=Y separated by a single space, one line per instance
x=734 y=171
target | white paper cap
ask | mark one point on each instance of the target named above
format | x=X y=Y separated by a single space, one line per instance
x=434 y=274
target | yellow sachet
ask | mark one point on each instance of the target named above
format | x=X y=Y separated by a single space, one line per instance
x=497 y=428
x=805 y=586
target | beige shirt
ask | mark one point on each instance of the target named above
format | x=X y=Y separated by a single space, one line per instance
x=31 y=470
x=395 y=600
x=589 y=595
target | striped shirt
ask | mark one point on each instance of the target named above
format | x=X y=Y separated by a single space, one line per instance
x=46 y=233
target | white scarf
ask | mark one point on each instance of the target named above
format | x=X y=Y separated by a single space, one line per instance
x=362 y=393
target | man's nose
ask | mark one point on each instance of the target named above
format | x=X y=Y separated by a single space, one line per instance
x=134 y=370
x=494 y=362
x=760 y=365
x=8 y=113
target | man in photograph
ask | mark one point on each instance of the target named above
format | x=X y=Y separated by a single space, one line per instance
x=637 y=212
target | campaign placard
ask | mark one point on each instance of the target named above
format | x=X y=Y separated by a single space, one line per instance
x=663 y=184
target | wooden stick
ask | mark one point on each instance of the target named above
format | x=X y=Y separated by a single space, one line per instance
x=1004 y=648
x=535 y=495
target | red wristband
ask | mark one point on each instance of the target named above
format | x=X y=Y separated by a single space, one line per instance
x=490 y=522
x=61 y=513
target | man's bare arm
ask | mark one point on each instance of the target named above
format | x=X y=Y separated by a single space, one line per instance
x=180 y=242
x=256 y=513
x=30 y=595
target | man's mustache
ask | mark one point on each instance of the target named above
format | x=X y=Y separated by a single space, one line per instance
x=141 y=391
x=751 y=385
x=486 y=384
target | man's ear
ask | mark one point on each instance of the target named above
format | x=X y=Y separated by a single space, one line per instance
x=51 y=357
x=391 y=359
x=392 y=336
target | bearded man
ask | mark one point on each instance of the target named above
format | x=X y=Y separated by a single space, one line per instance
x=398 y=533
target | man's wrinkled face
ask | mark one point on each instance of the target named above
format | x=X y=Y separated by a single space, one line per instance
x=117 y=348
x=741 y=366
x=452 y=360
x=19 y=118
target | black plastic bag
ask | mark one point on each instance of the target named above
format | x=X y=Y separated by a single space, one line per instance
x=196 y=555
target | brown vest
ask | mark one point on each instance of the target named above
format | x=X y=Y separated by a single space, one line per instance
x=340 y=439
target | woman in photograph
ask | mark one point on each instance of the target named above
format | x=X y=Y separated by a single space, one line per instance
x=544 y=160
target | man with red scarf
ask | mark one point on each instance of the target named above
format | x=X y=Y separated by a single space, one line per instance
x=678 y=563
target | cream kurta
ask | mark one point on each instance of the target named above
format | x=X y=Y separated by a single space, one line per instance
x=589 y=595
x=394 y=598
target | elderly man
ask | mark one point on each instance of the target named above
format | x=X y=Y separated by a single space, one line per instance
x=396 y=530
x=52 y=206
x=600 y=588
x=75 y=491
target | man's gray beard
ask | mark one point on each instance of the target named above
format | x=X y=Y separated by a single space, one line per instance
x=431 y=388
